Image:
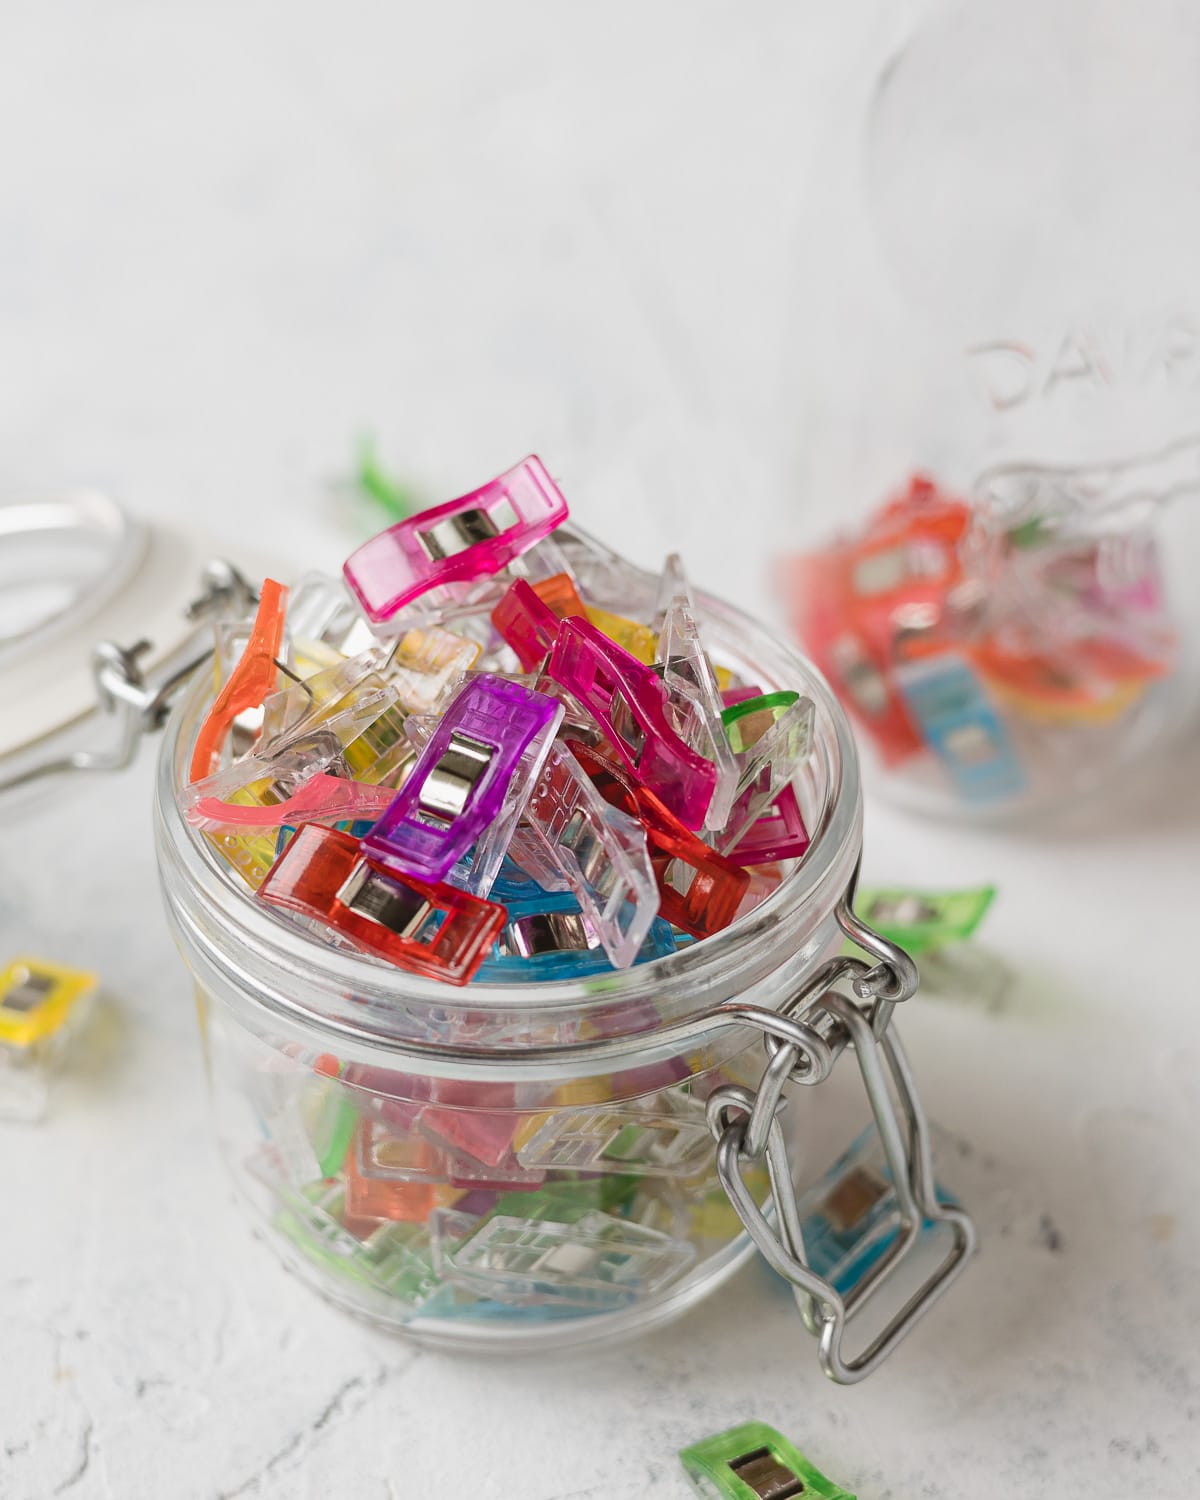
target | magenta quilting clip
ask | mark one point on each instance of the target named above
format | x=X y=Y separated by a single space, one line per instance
x=772 y=737
x=777 y=833
x=630 y=704
x=468 y=538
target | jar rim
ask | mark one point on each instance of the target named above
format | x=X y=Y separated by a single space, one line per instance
x=270 y=964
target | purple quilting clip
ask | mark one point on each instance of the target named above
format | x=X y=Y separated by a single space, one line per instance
x=468 y=538
x=460 y=782
x=629 y=702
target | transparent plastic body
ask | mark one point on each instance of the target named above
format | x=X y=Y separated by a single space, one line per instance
x=501 y=1165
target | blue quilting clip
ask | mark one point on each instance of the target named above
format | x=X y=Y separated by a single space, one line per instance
x=961 y=726
x=850 y=1218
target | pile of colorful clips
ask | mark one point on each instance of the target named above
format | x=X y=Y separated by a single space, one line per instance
x=983 y=648
x=500 y=756
x=482 y=772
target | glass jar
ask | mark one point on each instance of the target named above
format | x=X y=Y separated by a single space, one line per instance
x=533 y=1165
x=998 y=307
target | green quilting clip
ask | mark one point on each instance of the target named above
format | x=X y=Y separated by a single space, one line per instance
x=754 y=1462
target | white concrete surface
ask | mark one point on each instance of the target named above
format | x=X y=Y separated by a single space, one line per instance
x=233 y=236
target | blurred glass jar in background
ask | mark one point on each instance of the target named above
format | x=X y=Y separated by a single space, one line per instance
x=999 y=339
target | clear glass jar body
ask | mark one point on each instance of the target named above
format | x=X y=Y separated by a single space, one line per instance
x=498 y=1165
x=998 y=294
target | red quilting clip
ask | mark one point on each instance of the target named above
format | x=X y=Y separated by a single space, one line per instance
x=629 y=703
x=699 y=889
x=860 y=674
x=529 y=615
x=323 y=874
x=527 y=624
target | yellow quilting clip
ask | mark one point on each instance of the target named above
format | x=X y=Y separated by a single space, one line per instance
x=38 y=998
x=41 y=1004
x=638 y=640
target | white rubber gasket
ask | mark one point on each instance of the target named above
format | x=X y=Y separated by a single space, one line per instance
x=142 y=593
x=60 y=560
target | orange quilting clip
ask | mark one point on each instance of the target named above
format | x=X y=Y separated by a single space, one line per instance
x=560 y=594
x=250 y=683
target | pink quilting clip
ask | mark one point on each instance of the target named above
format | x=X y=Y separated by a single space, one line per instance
x=629 y=702
x=777 y=833
x=478 y=1119
x=772 y=736
x=468 y=538
x=322 y=799
x=743 y=694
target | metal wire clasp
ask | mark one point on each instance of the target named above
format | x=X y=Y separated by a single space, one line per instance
x=746 y=1125
x=138 y=698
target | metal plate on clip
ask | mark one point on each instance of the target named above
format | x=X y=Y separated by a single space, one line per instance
x=594 y=863
x=450 y=783
x=384 y=901
x=548 y=932
x=28 y=993
x=454 y=534
x=761 y=1472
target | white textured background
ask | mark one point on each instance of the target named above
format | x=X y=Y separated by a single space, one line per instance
x=232 y=237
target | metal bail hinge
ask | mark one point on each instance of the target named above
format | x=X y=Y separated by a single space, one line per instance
x=747 y=1127
x=138 y=698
